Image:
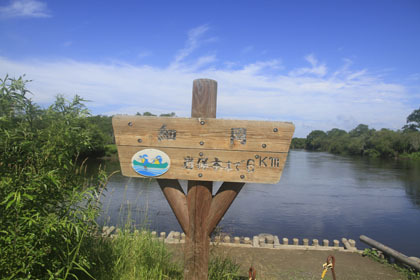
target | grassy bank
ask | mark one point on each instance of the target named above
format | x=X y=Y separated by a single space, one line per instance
x=410 y=273
x=138 y=256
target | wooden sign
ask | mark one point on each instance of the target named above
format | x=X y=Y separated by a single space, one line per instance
x=202 y=149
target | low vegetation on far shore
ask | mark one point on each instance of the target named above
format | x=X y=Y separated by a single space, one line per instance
x=365 y=141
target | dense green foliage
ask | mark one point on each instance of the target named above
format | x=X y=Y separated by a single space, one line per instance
x=413 y=121
x=364 y=141
x=132 y=256
x=100 y=128
x=47 y=207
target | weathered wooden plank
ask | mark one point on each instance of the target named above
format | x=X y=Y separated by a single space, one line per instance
x=177 y=200
x=213 y=165
x=219 y=134
x=221 y=203
x=204 y=99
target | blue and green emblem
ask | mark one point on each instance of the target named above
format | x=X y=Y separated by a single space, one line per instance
x=150 y=162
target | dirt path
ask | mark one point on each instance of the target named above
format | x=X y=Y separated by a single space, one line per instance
x=302 y=264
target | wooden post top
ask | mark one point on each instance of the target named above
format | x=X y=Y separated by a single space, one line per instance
x=204 y=99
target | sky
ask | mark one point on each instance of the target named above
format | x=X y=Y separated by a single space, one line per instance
x=318 y=64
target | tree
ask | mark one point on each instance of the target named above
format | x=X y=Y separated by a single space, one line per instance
x=148 y=114
x=172 y=114
x=335 y=132
x=413 y=121
x=315 y=140
x=361 y=129
x=298 y=143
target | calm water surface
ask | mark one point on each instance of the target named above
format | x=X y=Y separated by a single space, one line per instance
x=320 y=195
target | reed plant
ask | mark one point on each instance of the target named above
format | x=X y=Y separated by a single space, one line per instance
x=139 y=255
x=132 y=256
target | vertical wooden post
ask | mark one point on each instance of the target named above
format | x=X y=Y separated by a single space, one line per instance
x=199 y=212
x=199 y=195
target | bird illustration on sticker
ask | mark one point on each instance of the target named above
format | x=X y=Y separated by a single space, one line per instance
x=150 y=162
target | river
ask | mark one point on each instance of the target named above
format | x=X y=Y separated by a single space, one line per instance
x=320 y=195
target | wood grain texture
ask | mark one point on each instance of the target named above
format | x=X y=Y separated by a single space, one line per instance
x=199 y=200
x=245 y=167
x=221 y=203
x=217 y=134
x=199 y=194
x=204 y=99
x=176 y=198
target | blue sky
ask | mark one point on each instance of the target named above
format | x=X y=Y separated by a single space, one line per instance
x=319 y=64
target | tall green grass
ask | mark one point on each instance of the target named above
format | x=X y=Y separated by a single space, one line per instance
x=137 y=255
x=132 y=256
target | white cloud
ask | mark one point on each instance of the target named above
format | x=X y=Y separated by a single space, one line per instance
x=193 y=42
x=312 y=99
x=245 y=93
x=25 y=8
x=318 y=70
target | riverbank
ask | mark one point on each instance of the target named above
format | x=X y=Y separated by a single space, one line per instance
x=299 y=264
x=272 y=260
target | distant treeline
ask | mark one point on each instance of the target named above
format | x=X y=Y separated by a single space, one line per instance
x=361 y=140
x=365 y=141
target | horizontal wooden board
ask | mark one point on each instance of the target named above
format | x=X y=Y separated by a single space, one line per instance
x=213 y=165
x=207 y=149
x=219 y=134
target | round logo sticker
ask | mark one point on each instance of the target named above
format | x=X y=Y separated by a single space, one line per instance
x=150 y=162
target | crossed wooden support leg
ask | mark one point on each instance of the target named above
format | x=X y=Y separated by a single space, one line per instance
x=198 y=212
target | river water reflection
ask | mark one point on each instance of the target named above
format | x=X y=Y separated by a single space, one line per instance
x=320 y=195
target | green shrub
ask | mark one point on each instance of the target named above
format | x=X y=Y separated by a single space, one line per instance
x=47 y=207
x=110 y=150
